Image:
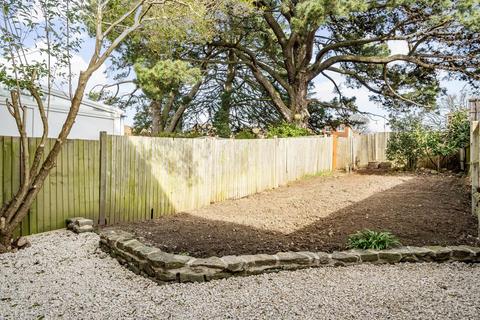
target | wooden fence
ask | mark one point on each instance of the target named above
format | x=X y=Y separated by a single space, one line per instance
x=71 y=189
x=475 y=156
x=145 y=178
x=359 y=150
x=137 y=178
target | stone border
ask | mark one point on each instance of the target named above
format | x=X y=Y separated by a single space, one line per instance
x=165 y=267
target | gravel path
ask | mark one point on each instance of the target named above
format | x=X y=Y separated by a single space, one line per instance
x=65 y=276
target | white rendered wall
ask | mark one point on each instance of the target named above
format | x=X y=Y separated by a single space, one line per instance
x=88 y=124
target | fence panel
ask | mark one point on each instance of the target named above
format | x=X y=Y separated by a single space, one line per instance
x=370 y=148
x=148 y=177
x=138 y=178
x=71 y=188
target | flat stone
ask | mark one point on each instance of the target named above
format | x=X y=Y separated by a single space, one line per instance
x=167 y=275
x=131 y=245
x=323 y=258
x=22 y=242
x=312 y=256
x=189 y=275
x=259 y=260
x=365 y=255
x=114 y=239
x=440 y=253
x=390 y=256
x=408 y=255
x=212 y=262
x=105 y=234
x=462 y=253
x=293 y=258
x=144 y=251
x=476 y=252
x=234 y=263
x=167 y=260
x=157 y=259
x=345 y=257
x=216 y=274
x=122 y=243
x=127 y=256
x=83 y=222
x=83 y=229
x=173 y=261
x=422 y=254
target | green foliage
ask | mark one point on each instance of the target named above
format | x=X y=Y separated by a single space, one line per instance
x=368 y=239
x=221 y=120
x=404 y=147
x=285 y=130
x=458 y=129
x=316 y=12
x=165 y=76
x=245 y=134
x=412 y=140
x=187 y=135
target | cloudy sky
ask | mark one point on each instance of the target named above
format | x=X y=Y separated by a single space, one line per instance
x=323 y=87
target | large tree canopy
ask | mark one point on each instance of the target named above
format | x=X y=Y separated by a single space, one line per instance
x=287 y=44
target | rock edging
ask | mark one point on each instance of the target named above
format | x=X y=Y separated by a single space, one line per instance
x=80 y=225
x=165 y=267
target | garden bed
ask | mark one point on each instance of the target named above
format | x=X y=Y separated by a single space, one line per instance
x=318 y=214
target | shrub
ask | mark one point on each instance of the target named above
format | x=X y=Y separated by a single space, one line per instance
x=245 y=134
x=189 y=134
x=368 y=239
x=405 y=144
x=285 y=130
x=413 y=140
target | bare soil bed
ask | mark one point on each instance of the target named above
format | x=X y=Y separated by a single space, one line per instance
x=318 y=214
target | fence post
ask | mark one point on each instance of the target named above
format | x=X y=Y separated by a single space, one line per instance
x=475 y=155
x=103 y=177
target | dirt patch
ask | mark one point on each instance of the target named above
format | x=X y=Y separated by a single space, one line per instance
x=318 y=214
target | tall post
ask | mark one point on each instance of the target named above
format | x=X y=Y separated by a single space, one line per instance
x=475 y=155
x=103 y=177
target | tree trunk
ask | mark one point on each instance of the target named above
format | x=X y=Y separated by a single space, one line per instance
x=155 y=111
x=299 y=103
x=222 y=117
x=5 y=242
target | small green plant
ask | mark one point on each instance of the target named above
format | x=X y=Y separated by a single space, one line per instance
x=285 y=130
x=368 y=239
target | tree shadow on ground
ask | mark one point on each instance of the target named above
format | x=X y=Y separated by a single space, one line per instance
x=419 y=212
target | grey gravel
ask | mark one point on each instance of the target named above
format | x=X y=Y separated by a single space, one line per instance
x=64 y=275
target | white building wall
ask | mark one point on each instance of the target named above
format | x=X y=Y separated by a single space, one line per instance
x=92 y=118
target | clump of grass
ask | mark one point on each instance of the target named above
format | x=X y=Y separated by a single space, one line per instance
x=326 y=173
x=368 y=239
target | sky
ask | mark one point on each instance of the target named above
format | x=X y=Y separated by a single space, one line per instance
x=324 y=89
